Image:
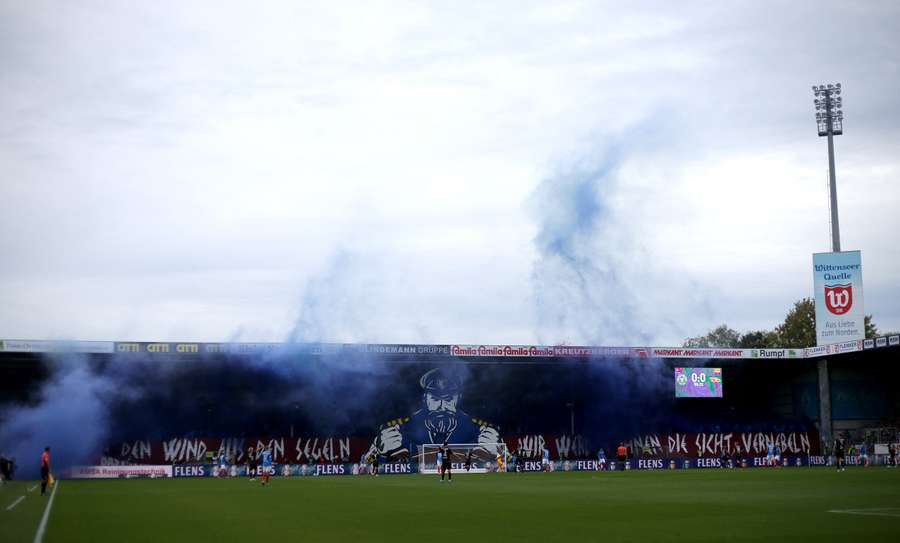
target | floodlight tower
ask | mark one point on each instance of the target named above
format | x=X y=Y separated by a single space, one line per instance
x=830 y=122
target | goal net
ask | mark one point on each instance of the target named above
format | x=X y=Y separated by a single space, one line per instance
x=480 y=458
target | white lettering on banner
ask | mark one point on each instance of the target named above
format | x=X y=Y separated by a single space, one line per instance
x=677 y=444
x=189 y=471
x=572 y=446
x=656 y=463
x=184 y=450
x=330 y=469
x=531 y=445
x=397 y=468
x=313 y=449
x=139 y=450
x=377 y=348
x=649 y=441
x=233 y=447
x=714 y=443
x=277 y=446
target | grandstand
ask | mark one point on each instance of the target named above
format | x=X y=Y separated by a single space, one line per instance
x=328 y=403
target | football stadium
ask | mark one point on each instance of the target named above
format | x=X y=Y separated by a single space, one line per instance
x=165 y=441
x=365 y=271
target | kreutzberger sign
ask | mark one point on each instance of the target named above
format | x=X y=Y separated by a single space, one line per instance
x=837 y=279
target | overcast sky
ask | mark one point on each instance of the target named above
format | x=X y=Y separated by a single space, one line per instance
x=495 y=172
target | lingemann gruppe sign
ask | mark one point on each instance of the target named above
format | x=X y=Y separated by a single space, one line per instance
x=839 y=297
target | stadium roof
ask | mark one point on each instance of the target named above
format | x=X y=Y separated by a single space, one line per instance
x=455 y=351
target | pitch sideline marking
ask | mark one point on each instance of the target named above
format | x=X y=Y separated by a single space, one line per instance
x=32 y=489
x=39 y=536
x=872 y=511
x=15 y=503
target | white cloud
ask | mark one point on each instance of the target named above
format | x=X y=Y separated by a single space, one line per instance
x=183 y=171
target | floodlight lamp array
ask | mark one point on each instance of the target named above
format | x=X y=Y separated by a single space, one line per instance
x=829 y=112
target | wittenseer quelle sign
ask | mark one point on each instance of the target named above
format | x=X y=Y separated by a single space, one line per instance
x=837 y=280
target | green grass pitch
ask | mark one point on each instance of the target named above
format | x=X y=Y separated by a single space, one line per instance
x=794 y=504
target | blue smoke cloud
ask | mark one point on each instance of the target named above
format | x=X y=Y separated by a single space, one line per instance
x=70 y=416
x=593 y=281
x=579 y=291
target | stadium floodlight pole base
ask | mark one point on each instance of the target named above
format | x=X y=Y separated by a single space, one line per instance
x=484 y=457
x=824 y=403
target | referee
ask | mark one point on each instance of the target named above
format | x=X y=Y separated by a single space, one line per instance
x=445 y=463
x=45 y=470
x=251 y=463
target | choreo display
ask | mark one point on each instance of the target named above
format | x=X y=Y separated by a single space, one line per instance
x=698 y=382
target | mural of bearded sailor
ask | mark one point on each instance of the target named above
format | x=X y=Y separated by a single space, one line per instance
x=438 y=420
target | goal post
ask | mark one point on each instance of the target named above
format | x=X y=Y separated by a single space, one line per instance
x=483 y=457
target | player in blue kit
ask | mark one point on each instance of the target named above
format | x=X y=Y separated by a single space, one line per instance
x=439 y=462
x=770 y=457
x=601 y=460
x=545 y=459
x=266 y=456
x=223 y=463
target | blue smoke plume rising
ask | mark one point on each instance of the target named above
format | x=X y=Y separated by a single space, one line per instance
x=594 y=281
x=579 y=291
x=70 y=416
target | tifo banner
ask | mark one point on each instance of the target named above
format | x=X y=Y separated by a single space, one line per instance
x=305 y=450
x=713 y=444
x=837 y=281
x=345 y=450
x=115 y=472
x=186 y=450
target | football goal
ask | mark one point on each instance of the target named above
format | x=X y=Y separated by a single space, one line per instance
x=480 y=458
